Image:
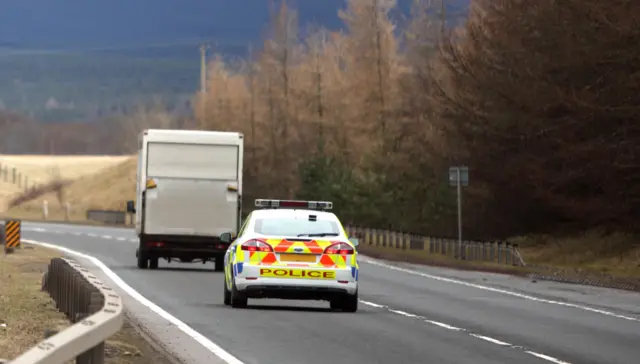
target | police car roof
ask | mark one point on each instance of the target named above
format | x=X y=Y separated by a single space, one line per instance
x=293 y=213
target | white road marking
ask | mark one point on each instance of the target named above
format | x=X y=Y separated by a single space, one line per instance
x=547 y=358
x=208 y=344
x=467 y=284
x=496 y=290
x=472 y=334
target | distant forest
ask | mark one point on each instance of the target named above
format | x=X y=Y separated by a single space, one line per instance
x=66 y=61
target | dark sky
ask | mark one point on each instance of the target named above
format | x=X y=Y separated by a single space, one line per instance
x=103 y=23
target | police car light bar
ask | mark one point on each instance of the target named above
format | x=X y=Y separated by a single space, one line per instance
x=311 y=205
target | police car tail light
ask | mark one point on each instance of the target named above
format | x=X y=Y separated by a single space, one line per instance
x=257 y=246
x=339 y=248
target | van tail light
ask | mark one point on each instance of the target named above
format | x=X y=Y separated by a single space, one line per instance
x=256 y=246
x=339 y=248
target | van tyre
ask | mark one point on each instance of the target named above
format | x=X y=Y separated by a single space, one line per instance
x=238 y=300
x=143 y=260
x=153 y=263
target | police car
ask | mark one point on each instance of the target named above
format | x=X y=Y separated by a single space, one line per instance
x=289 y=249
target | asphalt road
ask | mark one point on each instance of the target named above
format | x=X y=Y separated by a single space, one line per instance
x=410 y=314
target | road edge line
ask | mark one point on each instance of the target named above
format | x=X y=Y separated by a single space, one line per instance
x=189 y=331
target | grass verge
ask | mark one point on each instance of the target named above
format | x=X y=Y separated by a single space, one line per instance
x=437 y=260
x=26 y=312
x=594 y=258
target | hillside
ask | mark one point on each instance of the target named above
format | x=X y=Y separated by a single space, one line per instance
x=65 y=60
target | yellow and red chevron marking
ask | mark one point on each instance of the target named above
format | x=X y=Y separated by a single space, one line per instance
x=265 y=258
x=308 y=247
x=333 y=260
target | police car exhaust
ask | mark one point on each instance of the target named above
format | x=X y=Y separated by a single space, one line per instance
x=291 y=249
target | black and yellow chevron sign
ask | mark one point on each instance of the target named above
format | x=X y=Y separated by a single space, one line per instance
x=12 y=233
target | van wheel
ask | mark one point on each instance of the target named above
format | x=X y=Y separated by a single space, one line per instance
x=153 y=263
x=143 y=261
x=238 y=300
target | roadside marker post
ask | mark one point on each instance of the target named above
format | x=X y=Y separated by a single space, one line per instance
x=11 y=234
x=458 y=177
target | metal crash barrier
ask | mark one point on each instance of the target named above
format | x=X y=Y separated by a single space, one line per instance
x=95 y=310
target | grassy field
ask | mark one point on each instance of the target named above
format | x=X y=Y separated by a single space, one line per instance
x=26 y=312
x=109 y=189
x=43 y=169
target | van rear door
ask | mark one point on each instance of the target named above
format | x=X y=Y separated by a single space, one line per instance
x=196 y=189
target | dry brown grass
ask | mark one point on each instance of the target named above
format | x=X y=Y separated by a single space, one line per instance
x=109 y=189
x=24 y=309
x=42 y=169
x=593 y=252
x=27 y=312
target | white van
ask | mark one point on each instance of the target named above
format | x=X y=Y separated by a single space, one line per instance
x=189 y=191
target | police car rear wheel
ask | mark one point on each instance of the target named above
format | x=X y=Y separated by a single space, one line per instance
x=346 y=303
x=219 y=264
x=350 y=303
x=238 y=300
x=227 y=294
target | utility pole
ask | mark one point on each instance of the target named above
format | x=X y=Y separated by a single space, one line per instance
x=443 y=17
x=203 y=82
x=458 y=177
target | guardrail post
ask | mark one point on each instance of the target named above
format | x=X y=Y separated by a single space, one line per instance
x=508 y=254
x=67 y=209
x=45 y=209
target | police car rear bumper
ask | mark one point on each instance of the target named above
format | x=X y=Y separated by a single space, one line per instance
x=248 y=279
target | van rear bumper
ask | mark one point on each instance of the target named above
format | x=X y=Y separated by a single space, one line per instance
x=182 y=246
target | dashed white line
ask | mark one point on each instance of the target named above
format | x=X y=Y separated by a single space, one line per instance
x=106 y=236
x=491 y=340
x=546 y=357
x=472 y=334
x=496 y=290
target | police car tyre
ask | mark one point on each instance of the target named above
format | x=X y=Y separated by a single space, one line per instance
x=153 y=263
x=143 y=262
x=347 y=303
x=219 y=264
x=238 y=300
x=227 y=294
x=350 y=303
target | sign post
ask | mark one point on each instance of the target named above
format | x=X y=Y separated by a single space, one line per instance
x=458 y=177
